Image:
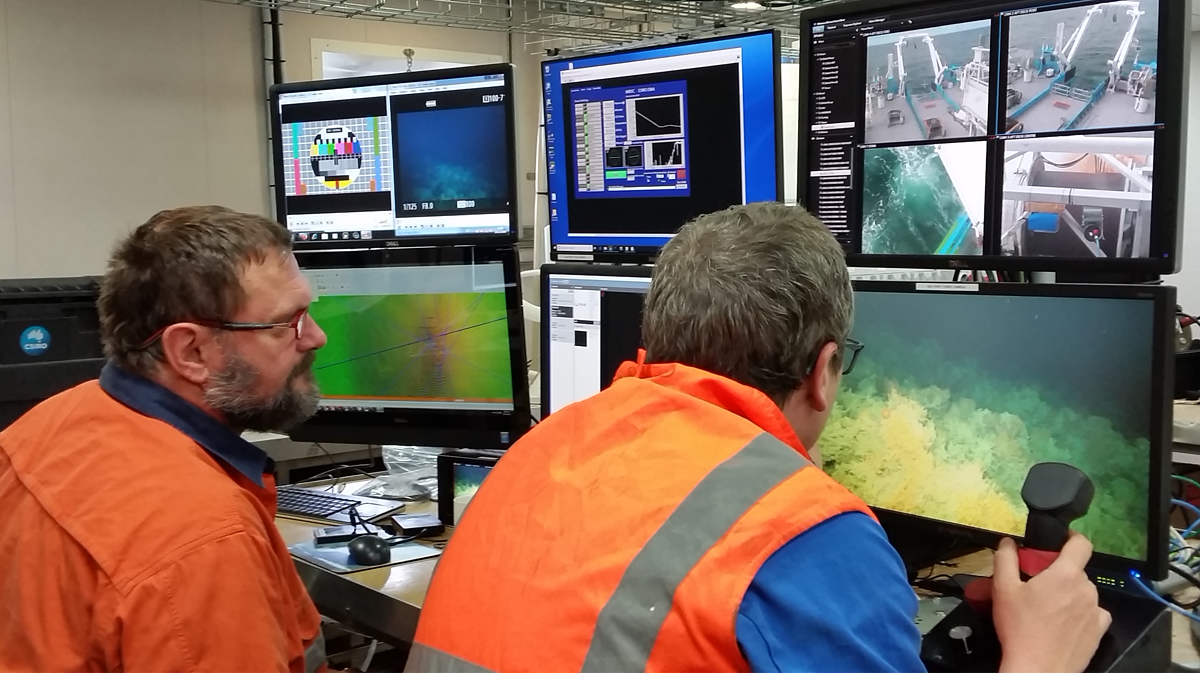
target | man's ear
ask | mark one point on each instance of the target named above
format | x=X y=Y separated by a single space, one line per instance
x=189 y=351
x=822 y=383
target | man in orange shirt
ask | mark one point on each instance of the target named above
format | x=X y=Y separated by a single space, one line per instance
x=138 y=528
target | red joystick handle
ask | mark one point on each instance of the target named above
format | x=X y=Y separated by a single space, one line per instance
x=1033 y=562
x=978 y=595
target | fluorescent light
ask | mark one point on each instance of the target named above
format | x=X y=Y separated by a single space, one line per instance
x=751 y=6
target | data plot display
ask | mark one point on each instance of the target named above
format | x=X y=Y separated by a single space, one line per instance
x=631 y=140
x=657 y=117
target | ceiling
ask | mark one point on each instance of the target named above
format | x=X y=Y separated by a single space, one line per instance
x=581 y=26
x=569 y=25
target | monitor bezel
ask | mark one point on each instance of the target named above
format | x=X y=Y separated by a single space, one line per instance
x=560 y=268
x=477 y=429
x=648 y=253
x=280 y=198
x=1161 y=389
x=1169 y=164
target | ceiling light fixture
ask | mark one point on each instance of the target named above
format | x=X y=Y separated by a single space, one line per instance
x=748 y=6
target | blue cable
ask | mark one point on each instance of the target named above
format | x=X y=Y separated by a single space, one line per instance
x=1191 y=529
x=1184 y=504
x=1137 y=580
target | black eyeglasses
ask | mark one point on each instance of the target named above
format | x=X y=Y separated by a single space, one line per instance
x=296 y=324
x=852 y=347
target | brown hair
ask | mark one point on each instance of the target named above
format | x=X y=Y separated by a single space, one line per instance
x=751 y=293
x=182 y=264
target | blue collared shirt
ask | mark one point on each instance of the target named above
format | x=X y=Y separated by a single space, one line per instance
x=835 y=598
x=157 y=402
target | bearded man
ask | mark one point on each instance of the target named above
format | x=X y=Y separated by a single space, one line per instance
x=137 y=524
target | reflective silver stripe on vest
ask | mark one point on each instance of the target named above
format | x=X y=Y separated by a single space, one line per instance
x=628 y=624
x=424 y=658
x=314 y=655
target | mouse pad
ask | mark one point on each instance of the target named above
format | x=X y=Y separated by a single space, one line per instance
x=336 y=558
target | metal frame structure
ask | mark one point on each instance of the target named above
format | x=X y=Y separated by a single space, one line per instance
x=570 y=26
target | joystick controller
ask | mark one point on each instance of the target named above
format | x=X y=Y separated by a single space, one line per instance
x=1056 y=494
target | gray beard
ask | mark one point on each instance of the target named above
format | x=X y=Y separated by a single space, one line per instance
x=231 y=394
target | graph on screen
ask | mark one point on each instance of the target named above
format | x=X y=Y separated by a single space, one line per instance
x=657 y=116
x=337 y=156
x=416 y=347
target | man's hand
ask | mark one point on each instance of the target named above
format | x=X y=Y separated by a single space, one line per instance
x=1052 y=623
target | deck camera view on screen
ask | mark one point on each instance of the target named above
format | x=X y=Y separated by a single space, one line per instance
x=916 y=95
x=432 y=337
x=1058 y=163
x=370 y=160
x=956 y=395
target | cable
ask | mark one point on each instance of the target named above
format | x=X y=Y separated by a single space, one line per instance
x=370 y=476
x=1188 y=480
x=1066 y=165
x=1137 y=580
x=1189 y=506
x=1190 y=530
x=1190 y=576
x=366 y=663
x=335 y=469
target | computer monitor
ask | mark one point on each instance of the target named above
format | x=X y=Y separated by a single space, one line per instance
x=1017 y=134
x=397 y=160
x=640 y=142
x=49 y=340
x=591 y=323
x=960 y=389
x=426 y=347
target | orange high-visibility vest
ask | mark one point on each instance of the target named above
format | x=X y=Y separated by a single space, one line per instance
x=622 y=532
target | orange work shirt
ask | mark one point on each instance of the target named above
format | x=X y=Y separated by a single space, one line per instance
x=138 y=534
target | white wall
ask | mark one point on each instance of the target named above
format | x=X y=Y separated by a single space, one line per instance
x=299 y=30
x=111 y=110
x=1188 y=279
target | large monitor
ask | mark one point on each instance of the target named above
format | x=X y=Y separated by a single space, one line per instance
x=426 y=347
x=639 y=142
x=591 y=323
x=49 y=340
x=1002 y=134
x=960 y=389
x=397 y=160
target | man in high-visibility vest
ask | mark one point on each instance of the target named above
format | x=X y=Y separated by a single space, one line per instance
x=676 y=522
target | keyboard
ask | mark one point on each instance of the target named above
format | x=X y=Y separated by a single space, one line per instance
x=311 y=503
x=293 y=501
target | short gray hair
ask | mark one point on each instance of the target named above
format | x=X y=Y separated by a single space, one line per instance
x=751 y=293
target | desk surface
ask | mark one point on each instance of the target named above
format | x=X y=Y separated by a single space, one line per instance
x=386 y=602
x=383 y=602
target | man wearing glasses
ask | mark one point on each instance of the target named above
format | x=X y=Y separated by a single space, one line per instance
x=138 y=525
x=676 y=522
